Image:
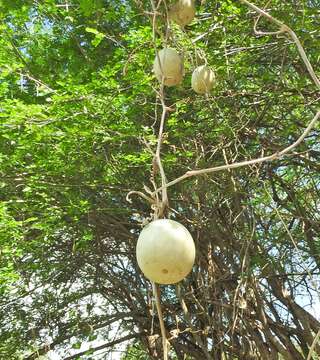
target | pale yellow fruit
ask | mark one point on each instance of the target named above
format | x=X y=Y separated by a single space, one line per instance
x=168 y=66
x=165 y=251
x=183 y=12
x=202 y=79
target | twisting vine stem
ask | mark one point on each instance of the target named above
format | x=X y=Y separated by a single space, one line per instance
x=160 y=206
x=165 y=202
x=159 y=210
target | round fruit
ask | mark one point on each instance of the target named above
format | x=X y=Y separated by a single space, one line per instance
x=203 y=79
x=168 y=66
x=183 y=12
x=165 y=251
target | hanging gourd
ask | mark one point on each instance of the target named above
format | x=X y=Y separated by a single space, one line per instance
x=202 y=79
x=168 y=66
x=182 y=12
x=165 y=251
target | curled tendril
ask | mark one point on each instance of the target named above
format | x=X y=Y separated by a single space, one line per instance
x=141 y=194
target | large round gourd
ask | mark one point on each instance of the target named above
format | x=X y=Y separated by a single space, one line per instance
x=202 y=79
x=183 y=12
x=168 y=66
x=165 y=251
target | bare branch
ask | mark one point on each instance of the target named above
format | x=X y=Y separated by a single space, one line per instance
x=103 y=346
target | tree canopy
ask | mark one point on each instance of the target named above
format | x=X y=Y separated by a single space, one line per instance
x=80 y=114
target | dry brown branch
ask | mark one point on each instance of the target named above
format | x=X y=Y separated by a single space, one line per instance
x=107 y=345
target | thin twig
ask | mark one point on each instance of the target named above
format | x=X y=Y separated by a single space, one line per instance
x=274 y=156
x=290 y=236
x=262 y=13
x=258 y=32
x=189 y=321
